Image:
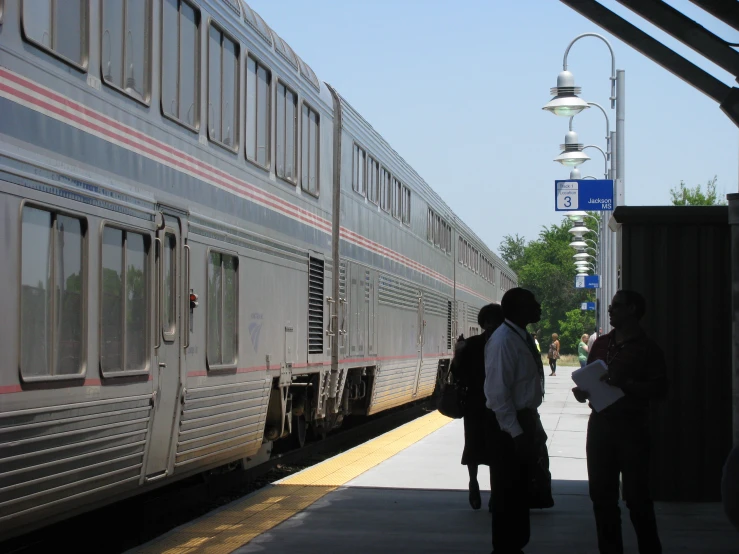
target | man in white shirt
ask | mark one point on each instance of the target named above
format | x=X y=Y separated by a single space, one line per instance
x=514 y=384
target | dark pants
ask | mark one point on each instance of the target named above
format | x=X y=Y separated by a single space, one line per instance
x=510 y=492
x=553 y=365
x=617 y=446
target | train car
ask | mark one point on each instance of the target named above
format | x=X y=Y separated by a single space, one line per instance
x=205 y=250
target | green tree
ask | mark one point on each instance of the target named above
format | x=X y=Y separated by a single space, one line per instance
x=544 y=266
x=686 y=196
x=576 y=323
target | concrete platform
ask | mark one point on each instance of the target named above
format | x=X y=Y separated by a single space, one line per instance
x=389 y=496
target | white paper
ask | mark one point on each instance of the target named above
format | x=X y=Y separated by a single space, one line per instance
x=601 y=394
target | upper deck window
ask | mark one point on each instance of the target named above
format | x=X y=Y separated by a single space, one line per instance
x=181 y=62
x=258 y=82
x=359 y=170
x=386 y=190
x=60 y=26
x=223 y=76
x=287 y=133
x=126 y=46
x=310 y=150
x=373 y=180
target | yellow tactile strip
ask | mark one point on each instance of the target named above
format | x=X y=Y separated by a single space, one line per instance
x=227 y=529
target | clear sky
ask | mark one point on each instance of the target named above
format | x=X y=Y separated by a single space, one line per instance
x=457 y=87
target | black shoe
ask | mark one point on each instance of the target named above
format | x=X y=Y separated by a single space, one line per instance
x=475 y=500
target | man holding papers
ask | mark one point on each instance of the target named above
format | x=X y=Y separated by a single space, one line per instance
x=618 y=435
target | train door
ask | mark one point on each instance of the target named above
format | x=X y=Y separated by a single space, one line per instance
x=420 y=340
x=358 y=308
x=169 y=275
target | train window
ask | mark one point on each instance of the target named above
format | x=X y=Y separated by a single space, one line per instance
x=223 y=70
x=180 y=62
x=52 y=290
x=124 y=301
x=373 y=180
x=385 y=189
x=126 y=46
x=430 y=225
x=359 y=170
x=406 y=208
x=258 y=83
x=449 y=239
x=59 y=26
x=223 y=304
x=310 y=150
x=397 y=194
x=287 y=133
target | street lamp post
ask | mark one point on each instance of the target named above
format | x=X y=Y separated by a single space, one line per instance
x=567 y=104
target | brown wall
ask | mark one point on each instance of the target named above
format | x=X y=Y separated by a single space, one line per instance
x=679 y=259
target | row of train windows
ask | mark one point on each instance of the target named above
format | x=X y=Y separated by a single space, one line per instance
x=53 y=294
x=126 y=41
x=506 y=282
x=438 y=231
x=472 y=258
x=380 y=187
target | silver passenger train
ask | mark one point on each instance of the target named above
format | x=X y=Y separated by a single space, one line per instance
x=204 y=250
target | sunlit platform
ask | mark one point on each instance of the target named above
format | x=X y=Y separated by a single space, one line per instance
x=406 y=491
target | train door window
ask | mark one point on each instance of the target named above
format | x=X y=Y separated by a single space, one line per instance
x=59 y=26
x=52 y=294
x=385 y=189
x=258 y=83
x=287 y=133
x=223 y=303
x=397 y=188
x=126 y=46
x=124 y=301
x=180 y=62
x=406 y=205
x=309 y=150
x=359 y=169
x=373 y=180
x=169 y=286
x=223 y=74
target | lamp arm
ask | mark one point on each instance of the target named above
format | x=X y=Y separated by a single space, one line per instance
x=613 y=61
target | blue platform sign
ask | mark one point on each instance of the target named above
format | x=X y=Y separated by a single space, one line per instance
x=588 y=306
x=589 y=195
x=587 y=282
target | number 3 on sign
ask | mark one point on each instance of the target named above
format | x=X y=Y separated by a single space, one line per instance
x=567 y=197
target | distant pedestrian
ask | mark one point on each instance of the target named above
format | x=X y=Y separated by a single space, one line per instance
x=582 y=350
x=536 y=342
x=553 y=354
x=514 y=386
x=618 y=440
x=468 y=369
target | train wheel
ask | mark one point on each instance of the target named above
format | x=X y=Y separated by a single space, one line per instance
x=299 y=427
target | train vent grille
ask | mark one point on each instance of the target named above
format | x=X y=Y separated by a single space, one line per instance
x=449 y=325
x=315 y=307
x=342 y=280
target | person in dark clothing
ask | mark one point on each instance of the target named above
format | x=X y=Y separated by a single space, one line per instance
x=514 y=387
x=468 y=368
x=618 y=436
